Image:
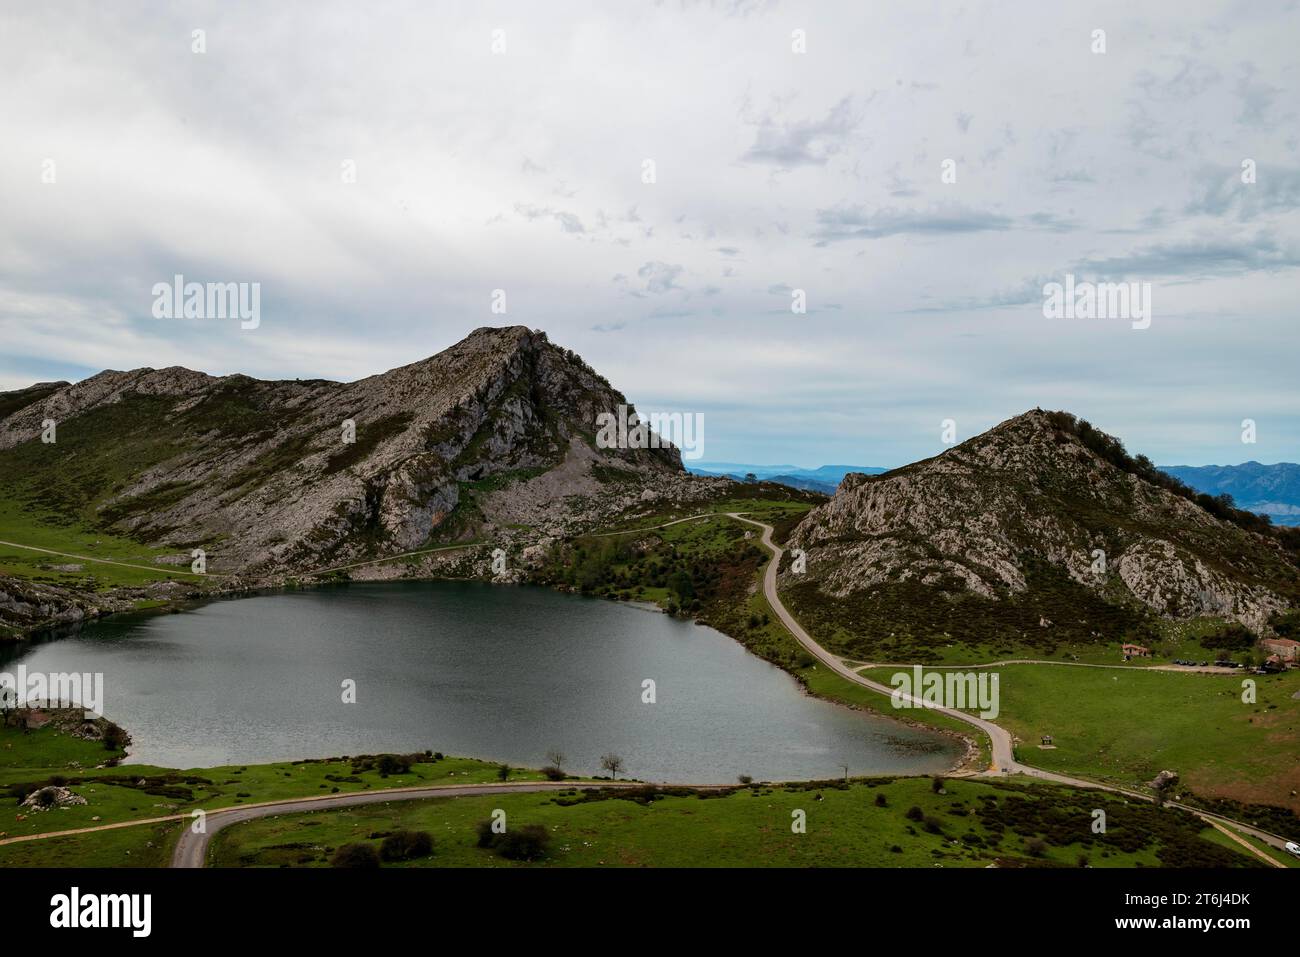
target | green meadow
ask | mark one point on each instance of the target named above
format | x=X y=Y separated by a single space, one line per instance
x=1125 y=726
x=135 y=792
x=874 y=823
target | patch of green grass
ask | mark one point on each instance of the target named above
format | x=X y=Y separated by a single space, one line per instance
x=1123 y=726
x=47 y=748
x=1282 y=857
x=148 y=845
x=973 y=824
x=133 y=791
x=28 y=525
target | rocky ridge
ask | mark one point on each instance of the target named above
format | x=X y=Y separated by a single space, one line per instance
x=993 y=517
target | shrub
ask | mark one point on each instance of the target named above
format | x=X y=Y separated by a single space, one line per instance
x=914 y=813
x=393 y=764
x=527 y=843
x=114 y=737
x=745 y=779
x=406 y=846
x=355 y=855
x=1036 y=846
x=486 y=837
x=553 y=773
x=1231 y=637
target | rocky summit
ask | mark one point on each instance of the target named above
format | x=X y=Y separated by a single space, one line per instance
x=493 y=436
x=1040 y=528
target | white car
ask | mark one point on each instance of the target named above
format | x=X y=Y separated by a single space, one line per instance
x=1293 y=848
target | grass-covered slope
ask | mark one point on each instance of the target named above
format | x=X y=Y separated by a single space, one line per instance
x=874 y=823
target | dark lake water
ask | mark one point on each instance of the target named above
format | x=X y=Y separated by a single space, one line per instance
x=503 y=673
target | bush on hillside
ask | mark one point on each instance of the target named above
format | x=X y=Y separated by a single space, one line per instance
x=355 y=855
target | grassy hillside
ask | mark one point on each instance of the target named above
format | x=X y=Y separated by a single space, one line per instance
x=874 y=823
x=26 y=525
x=1124 y=726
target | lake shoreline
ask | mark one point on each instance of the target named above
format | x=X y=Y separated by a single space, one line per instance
x=968 y=748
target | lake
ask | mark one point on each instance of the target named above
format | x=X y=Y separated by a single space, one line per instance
x=498 y=672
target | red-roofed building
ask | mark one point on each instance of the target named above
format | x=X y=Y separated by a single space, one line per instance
x=1287 y=649
x=1135 y=651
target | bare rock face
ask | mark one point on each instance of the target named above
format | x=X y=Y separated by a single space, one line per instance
x=1165 y=779
x=52 y=796
x=496 y=432
x=1031 y=502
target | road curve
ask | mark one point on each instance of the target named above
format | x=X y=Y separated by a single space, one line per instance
x=192 y=848
x=1003 y=753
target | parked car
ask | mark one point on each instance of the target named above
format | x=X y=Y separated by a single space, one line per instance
x=1293 y=848
x=1204 y=663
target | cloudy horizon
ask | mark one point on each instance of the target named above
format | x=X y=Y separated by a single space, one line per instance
x=381 y=177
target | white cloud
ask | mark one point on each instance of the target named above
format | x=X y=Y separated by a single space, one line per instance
x=774 y=171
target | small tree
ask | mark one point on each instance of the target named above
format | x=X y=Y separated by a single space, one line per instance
x=503 y=772
x=612 y=763
x=555 y=758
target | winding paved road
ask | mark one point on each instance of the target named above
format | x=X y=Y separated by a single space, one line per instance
x=1003 y=750
x=192 y=849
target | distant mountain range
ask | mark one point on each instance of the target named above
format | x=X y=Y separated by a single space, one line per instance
x=824 y=479
x=1272 y=490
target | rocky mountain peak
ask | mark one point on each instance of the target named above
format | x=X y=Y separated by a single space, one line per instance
x=292 y=473
x=1041 y=510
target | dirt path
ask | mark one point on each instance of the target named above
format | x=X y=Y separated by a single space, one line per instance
x=108 y=561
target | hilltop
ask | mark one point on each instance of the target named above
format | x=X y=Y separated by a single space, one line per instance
x=1039 y=532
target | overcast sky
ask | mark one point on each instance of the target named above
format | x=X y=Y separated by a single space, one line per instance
x=523 y=169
